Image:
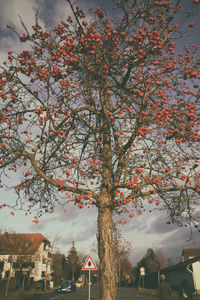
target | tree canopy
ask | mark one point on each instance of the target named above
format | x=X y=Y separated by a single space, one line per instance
x=103 y=103
x=73 y=264
x=104 y=111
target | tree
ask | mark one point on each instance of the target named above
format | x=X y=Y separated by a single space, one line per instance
x=151 y=265
x=161 y=258
x=121 y=249
x=153 y=261
x=73 y=263
x=15 y=246
x=150 y=262
x=57 y=260
x=104 y=112
x=125 y=274
x=58 y=267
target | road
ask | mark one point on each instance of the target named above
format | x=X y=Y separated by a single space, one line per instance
x=82 y=294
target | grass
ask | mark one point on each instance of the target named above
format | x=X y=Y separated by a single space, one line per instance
x=151 y=292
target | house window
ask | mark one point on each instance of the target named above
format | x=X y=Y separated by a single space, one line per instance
x=10 y=258
x=45 y=244
x=44 y=260
x=43 y=274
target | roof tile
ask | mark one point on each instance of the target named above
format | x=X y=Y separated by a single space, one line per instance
x=191 y=252
x=21 y=243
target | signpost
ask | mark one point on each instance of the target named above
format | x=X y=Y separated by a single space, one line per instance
x=142 y=274
x=90 y=266
x=142 y=271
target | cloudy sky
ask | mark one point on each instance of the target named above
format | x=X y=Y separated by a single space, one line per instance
x=146 y=231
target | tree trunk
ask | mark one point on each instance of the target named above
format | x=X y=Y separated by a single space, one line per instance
x=45 y=277
x=7 y=286
x=23 y=283
x=8 y=281
x=73 y=269
x=105 y=248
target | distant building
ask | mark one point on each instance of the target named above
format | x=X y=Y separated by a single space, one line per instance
x=189 y=253
x=188 y=269
x=29 y=253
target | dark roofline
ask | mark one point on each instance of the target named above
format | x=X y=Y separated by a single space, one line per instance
x=35 y=240
x=190 y=251
x=182 y=264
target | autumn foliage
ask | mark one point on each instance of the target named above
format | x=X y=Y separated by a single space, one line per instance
x=105 y=112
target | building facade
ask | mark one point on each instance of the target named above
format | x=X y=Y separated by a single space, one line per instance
x=187 y=270
x=28 y=253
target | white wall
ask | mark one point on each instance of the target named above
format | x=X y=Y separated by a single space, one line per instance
x=37 y=258
x=41 y=255
x=196 y=274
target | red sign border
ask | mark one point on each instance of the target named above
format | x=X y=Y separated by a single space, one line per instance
x=94 y=268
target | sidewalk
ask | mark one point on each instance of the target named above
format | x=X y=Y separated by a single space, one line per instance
x=18 y=294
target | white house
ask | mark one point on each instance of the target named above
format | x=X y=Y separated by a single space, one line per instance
x=28 y=252
x=188 y=269
x=191 y=253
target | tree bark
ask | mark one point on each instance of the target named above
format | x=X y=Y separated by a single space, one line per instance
x=8 y=280
x=7 y=286
x=23 y=283
x=105 y=248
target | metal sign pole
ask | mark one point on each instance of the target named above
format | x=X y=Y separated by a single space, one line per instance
x=89 y=265
x=139 y=281
x=89 y=287
x=143 y=282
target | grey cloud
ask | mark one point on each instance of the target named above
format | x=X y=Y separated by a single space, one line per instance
x=52 y=11
x=74 y=213
x=141 y=223
x=80 y=236
x=137 y=254
x=159 y=226
x=151 y=231
x=170 y=244
x=79 y=225
x=180 y=239
x=11 y=10
x=40 y=227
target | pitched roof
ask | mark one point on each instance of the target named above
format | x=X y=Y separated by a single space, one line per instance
x=182 y=265
x=191 y=252
x=21 y=243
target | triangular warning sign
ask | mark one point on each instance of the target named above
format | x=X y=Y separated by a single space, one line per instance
x=89 y=264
